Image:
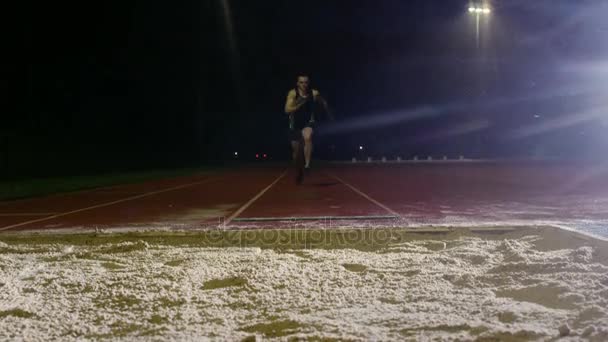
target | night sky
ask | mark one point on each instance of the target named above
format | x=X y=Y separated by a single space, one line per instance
x=138 y=84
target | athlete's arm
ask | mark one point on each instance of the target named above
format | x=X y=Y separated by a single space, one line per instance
x=292 y=105
x=323 y=104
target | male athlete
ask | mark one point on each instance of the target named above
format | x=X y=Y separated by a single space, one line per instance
x=302 y=106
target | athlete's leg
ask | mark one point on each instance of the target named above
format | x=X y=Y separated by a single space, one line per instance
x=294 y=149
x=307 y=135
x=298 y=158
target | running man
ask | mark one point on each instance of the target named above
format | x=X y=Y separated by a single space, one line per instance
x=302 y=107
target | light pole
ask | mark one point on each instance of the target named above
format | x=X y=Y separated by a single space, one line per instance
x=478 y=11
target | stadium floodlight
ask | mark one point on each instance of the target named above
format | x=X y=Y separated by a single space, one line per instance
x=479 y=10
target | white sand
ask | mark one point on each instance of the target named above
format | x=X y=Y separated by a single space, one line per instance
x=517 y=287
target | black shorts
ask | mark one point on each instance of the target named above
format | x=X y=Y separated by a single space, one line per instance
x=296 y=133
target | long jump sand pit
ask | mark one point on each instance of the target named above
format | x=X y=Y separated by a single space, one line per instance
x=377 y=284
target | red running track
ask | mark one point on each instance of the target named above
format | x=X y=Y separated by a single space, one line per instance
x=422 y=194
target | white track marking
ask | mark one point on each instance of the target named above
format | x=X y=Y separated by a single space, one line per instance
x=25 y=214
x=255 y=198
x=367 y=196
x=107 y=204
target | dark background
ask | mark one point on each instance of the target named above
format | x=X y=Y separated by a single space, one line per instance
x=122 y=85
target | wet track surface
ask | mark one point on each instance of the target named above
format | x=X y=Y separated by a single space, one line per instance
x=570 y=195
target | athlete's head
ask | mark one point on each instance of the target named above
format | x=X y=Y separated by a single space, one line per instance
x=303 y=82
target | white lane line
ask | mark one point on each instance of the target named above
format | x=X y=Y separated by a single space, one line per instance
x=25 y=214
x=114 y=192
x=367 y=196
x=107 y=204
x=255 y=198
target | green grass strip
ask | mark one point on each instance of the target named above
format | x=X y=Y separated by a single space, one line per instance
x=46 y=186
